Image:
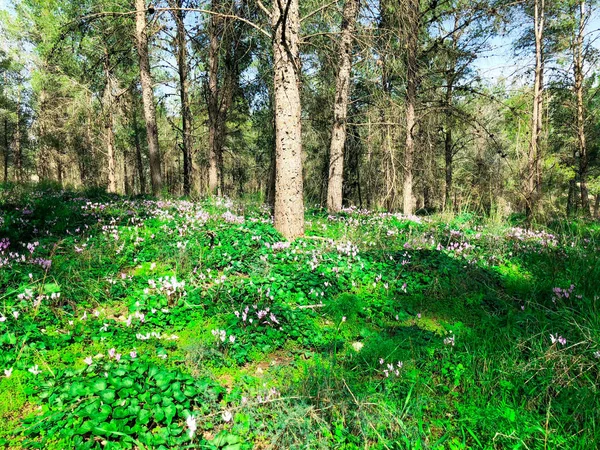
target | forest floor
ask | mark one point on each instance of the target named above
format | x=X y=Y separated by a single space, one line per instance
x=136 y=323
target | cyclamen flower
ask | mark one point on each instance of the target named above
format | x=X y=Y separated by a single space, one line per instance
x=111 y=353
x=88 y=360
x=133 y=354
x=35 y=370
x=227 y=416
x=192 y=426
x=8 y=372
x=2 y=318
x=15 y=314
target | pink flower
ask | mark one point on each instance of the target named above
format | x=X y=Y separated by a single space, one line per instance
x=133 y=354
x=88 y=360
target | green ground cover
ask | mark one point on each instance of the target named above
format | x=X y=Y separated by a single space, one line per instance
x=136 y=323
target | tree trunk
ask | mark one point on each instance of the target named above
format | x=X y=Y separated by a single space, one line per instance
x=109 y=133
x=138 y=149
x=18 y=154
x=340 y=111
x=578 y=69
x=6 y=150
x=411 y=96
x=289 y=200
x=448 y=144
x=214 y=149
x=533 y=188
x=186 y=114
x=148 y=96
x=597 y=207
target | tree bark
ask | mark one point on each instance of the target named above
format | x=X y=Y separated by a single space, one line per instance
x=533 y=188
x=186 y=114
x=109 y=134
x=289 y=201
x=6 y=150
x=578 y=76
x=215 y=32
x=18 y=154
x=448 y=143
x=340 y=111
x=411 y=95
x=148 y=96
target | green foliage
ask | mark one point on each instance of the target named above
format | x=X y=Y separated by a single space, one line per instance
x=122 y=319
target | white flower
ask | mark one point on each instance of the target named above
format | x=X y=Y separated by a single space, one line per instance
x=232 y=338
x=15 y=314
x=35 y=370
x=357 y=346
x=8 y=372
x=88 y=360
x=227 y=416
x=192 y=426
x=2 y=318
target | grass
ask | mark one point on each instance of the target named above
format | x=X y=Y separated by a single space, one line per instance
x=374 y=331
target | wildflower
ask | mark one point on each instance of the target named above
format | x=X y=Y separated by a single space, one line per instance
x=562 y=340
x=381 y=361
x=35 y=370
x=8 y=372
x=419 y=316
x=232 y=339
x=15 y=314
x=244 y=400
x=597 y=354
x=344 y=319
x=2 y=318
x=118 y=357
x=449 y=341
x=88 y=360
x=357 y=346
x=192 y=426
x=227 y=416
x=111 y=353
x=133 y=354
x=104 y=327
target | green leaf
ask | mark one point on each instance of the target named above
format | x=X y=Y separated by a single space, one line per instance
x=107 y=396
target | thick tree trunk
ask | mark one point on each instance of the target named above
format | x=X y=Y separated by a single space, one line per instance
x=289 y=200
x=340 y=111
x=578 y=69
x=186 y=114
x=148 y=96
x=411 y=96
x=109 y=134
x=214 y=149
x=533 y=187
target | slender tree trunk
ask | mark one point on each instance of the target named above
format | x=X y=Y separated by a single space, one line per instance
x=186 y=114
x=448 y=143
x=340 y=111
x=18 y=155
x=138 y=149
x=109 y=134
x=289 y=200
x=214 y=149
x=597 y=207
x=148 y=96
x=533 y=188
x=6 y=150
x=578 y=69
x=412 y=41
